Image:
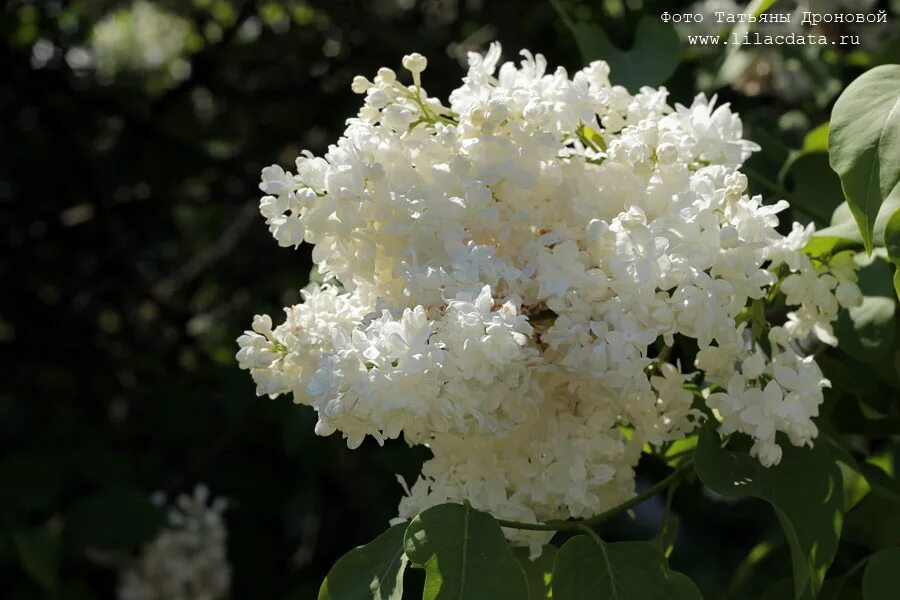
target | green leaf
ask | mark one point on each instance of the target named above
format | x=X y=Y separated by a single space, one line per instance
x=848 y=376
x=864 y=143
x=374 y=570
x=464 y=554
x=892 y=236
x=587 y=570
x=678 y=450
x=880 y=482
x=805 y=490
x=817 y=139
x=867 y=332
x=651 y=61
x=874 y=522
x=116 y=519
x=881 y=579
x=539 y=572
x=843 y=217
x=591 y=137
x=892 y=243
x=39 y=552
x=848 y=417
x=826 y=241
x=842 y=234
x=897 y=280
x=813 y=187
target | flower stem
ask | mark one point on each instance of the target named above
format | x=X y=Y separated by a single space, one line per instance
x=591 y=533
x=578 y=525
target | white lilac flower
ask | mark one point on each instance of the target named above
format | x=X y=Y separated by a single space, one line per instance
x=511 y=262
x=188 y=559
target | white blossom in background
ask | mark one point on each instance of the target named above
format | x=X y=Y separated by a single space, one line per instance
x=140 y=38
x=187 y=560
x=509 y=265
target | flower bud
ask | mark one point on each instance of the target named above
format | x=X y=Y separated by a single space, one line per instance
x=415 y=63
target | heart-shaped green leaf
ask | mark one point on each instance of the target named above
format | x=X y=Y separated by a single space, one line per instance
x=464 y=554
x=373 y=571
x=586 y=569
x=867 y=332
x=805 y=489
x=864 y=143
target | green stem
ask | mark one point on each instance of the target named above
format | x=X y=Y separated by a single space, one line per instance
x=591 y=533
x=578 y=525
x=664 y=354
x=673 y=458
x=428 y=116
x=548 y=526
x=667 y=511
x=859 y=565
x=676 y=475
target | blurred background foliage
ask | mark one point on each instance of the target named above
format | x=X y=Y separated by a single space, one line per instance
x=132 y=256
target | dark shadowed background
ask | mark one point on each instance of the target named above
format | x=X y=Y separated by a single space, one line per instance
x=132 y=255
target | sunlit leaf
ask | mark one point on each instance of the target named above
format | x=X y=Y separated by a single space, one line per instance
x=464 y=555
x=864 y=143
x=374 y=570
x=817 y=139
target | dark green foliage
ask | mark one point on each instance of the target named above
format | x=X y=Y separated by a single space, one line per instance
x=805 y=490
x=587 y=569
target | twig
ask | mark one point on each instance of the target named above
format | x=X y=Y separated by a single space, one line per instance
x=578 y=525
x=591 y=533
x=210 y=255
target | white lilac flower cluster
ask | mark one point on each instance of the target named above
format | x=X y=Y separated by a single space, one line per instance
x=188 y=560
x=509 y=271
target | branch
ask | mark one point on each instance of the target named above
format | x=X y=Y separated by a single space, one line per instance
x=206 y=258
x=578 y=525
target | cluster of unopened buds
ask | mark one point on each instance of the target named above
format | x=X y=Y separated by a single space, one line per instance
x=512 y=278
